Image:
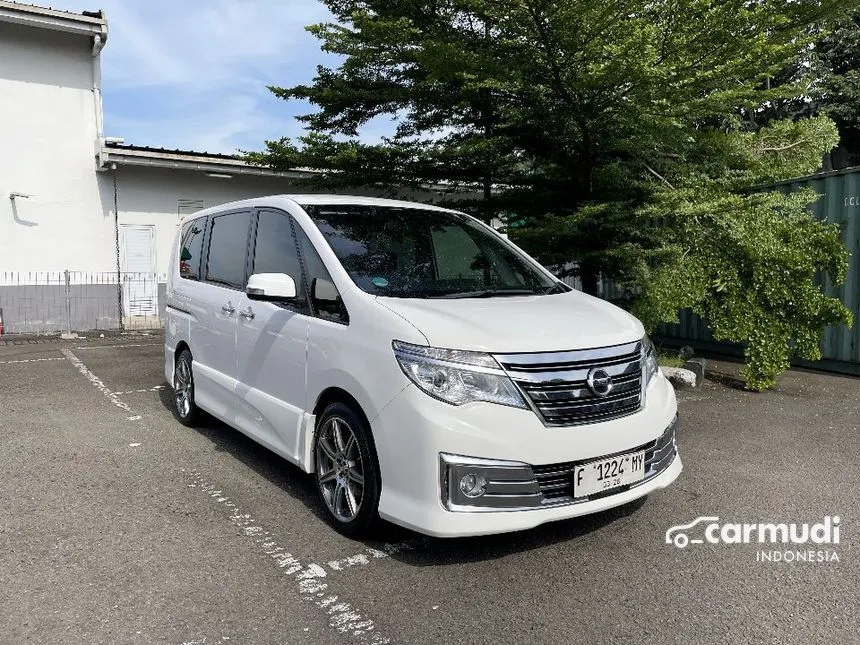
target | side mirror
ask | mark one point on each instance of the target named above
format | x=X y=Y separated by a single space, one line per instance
x=271 y=286
x=323 y=290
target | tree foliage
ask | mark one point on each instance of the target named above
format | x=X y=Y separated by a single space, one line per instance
x=827 y=73
x=746 y=261
x=610 y=133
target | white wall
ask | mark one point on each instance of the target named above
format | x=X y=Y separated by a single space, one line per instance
x=47 y=149
x=150 y=196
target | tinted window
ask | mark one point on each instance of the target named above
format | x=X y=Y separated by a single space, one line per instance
x=415 y=253
x=275 y=250
x=330 y=305
x=191 y=248
x=228 y=242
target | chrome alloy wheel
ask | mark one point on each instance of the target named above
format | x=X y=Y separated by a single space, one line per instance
x=182 y=385
x=339 y=468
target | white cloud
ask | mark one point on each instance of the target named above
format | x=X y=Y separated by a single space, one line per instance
x=193 y=73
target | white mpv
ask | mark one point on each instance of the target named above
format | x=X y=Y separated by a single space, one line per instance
x=424 y=368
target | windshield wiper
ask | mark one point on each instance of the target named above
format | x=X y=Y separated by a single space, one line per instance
x=490 y=293
x=558 y=287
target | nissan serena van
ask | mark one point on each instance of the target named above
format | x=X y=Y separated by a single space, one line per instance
x=420 y=365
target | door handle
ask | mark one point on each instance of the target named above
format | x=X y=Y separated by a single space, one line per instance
x=247 y=314
x=228 y=309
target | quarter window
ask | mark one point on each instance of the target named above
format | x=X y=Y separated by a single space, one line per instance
x=228 y=243
x=190 y=249
x=275 y=250
x=324 y=296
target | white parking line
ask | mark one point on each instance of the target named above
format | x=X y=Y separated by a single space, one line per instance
x=146 y=389
x=95 y=380
x=120 y=346
x=310 y=577
x=361 y=559
x=32 y=360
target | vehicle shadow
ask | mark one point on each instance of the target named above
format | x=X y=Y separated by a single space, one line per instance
x=280 y=472
x=429 y=551
x=399 y=543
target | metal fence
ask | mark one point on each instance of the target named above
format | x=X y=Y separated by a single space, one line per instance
x=66 y=301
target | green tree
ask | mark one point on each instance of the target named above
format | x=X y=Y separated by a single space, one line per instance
x=588 y=120
x=828 y=71
x=746 y=261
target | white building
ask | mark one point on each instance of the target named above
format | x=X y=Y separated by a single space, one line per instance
x=62 y=183
x=72 y=199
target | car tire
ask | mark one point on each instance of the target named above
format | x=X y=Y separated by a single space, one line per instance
x=347 y=470
x=184 y=407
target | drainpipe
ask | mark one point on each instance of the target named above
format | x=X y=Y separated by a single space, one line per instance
x=99 y=41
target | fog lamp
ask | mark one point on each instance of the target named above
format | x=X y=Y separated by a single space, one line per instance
x=473 y=485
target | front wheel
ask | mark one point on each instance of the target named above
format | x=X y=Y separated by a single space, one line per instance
x=185 y=408
x=347 y=473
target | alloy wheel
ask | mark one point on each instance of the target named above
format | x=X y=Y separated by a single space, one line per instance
x=182 y=385
x=340 y=469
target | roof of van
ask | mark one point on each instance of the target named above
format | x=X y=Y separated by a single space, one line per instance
x=316 y=199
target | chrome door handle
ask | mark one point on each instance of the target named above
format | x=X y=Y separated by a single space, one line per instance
x=228 y=309
x=247 y=314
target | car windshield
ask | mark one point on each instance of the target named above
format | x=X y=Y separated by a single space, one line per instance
x=418 y=253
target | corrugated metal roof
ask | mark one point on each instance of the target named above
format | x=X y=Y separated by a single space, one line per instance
x=87 y=16
x=177 y=151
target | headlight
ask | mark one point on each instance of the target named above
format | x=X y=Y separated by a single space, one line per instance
x=649 y=360
x=457 y=376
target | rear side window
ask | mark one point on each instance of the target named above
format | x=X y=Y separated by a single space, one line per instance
x=228 y=244
x=191 y=248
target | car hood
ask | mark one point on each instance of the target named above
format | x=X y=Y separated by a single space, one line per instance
x=564 y=321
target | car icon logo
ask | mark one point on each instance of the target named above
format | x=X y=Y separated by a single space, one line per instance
x=599 y=382
x=677 y=535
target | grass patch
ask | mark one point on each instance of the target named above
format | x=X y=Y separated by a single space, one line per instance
x=669 y=360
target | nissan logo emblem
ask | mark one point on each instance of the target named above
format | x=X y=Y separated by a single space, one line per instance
x=599 y=382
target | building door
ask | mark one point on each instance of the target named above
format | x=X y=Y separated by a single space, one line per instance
x=140 y=289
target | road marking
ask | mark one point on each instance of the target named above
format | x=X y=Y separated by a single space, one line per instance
x=351 y=561
x=32 y=360
x=311 y=578
x=361 y=559
x=120 y=346
x=145 y=389
x=95 y=380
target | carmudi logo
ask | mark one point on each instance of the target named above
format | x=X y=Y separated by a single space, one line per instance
x=708 y=529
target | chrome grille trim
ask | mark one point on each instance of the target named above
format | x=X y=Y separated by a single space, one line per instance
x=554 y=383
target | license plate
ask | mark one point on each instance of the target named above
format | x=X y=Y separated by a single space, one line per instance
x=598 y=476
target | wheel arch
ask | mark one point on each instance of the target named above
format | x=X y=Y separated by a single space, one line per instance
x=181 y=346
x=335 y=394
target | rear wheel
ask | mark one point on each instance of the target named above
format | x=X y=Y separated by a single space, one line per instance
x=183 y=389
x=347 y=473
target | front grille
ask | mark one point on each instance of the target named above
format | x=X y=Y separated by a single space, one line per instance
x=556 y=383
x=556 y=480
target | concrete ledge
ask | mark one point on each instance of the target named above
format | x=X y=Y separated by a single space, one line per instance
x=680 y=377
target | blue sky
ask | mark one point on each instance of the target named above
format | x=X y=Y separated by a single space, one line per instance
x=193 y=73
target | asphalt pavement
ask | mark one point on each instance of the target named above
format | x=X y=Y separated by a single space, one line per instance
x=119 y=525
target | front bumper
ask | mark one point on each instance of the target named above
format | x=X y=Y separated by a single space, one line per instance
x=414 y=430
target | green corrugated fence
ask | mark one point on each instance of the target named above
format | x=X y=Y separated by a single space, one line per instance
x=840 y=346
